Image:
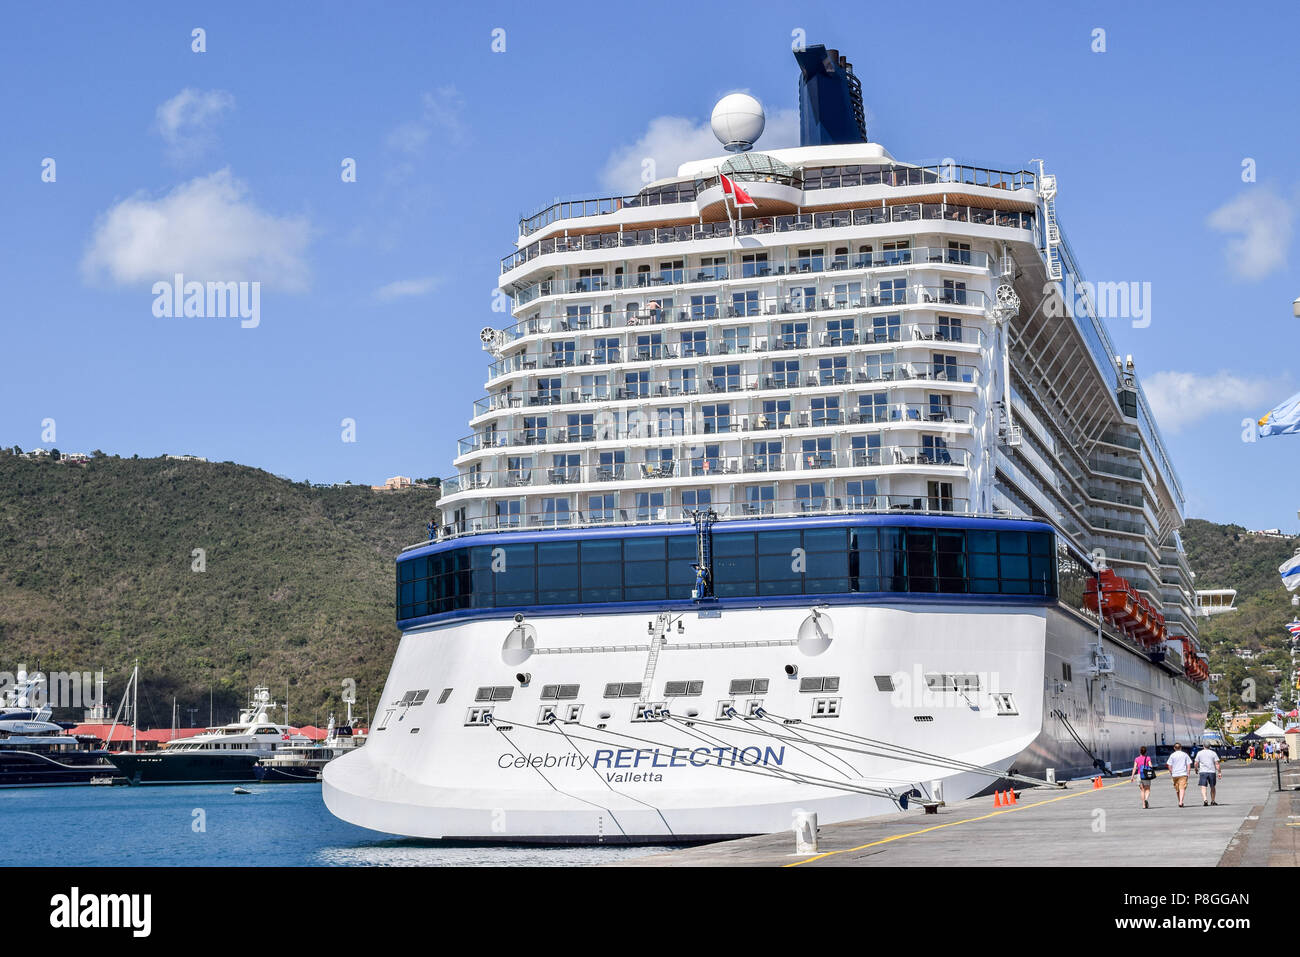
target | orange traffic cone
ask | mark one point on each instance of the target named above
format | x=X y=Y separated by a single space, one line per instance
x=997 y=799
x=1011 y=796
x=1096 y=782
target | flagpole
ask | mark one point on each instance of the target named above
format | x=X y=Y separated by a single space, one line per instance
x=730 y=222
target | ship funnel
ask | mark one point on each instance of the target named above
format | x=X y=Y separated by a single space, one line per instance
x=830 y=99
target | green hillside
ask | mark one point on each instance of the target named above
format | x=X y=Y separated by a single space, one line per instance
x=1228 y=556
x=96 y=571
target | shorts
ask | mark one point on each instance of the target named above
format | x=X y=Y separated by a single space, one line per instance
x=1180 y=784
x=1209 y=779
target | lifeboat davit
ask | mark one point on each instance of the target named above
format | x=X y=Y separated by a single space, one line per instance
x=1120 y=602
x=1193 y=663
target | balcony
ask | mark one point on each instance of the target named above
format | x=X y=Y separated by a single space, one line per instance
x=613 y=428
x=769 y=306
x=692 y=464
x=768 y=226
x=839 y=178
x=662 y=515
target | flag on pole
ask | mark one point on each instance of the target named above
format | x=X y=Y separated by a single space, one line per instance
x=1290 y=570
x=725 y=205
x=1282 y=419
x=1294 y=628
x=738 y=195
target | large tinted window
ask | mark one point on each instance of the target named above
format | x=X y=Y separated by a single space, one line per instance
x=780 y=562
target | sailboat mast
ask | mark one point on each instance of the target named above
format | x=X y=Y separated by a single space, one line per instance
x=135 y=702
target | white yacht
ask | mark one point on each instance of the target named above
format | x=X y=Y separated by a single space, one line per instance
x=302 y=764
x=219 y=755
x=806 y=479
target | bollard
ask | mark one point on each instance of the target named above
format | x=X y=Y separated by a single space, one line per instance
x=805 y=833
x=1051 y=775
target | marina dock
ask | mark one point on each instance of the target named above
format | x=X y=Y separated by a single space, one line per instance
x=1254 y=825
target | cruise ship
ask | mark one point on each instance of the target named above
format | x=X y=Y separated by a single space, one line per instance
x=806 y=480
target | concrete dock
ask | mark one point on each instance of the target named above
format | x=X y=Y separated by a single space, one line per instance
x=1254 y=824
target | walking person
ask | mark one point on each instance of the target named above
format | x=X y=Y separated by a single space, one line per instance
x=1250 y=754
x=1179 y=765
x=1207 y=763
x=1143 y=772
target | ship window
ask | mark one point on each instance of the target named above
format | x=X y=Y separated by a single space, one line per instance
x=497 y=693
x=559 y=692
x=778 y=562
x=626 y=689
x=677 y=689
x=884 y=682
x=442 y=698
x=819 y=684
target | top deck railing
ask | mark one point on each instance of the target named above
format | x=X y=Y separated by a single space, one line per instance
x=836 y=177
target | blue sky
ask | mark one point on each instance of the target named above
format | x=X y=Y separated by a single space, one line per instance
x=374 y=291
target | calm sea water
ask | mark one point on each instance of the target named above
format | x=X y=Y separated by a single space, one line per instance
x=285 y=824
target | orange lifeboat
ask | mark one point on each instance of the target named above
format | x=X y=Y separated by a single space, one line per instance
x=1116 y=597
x=1120 y=602
x=1193 y=663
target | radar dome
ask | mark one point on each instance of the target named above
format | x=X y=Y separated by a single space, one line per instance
x=738 y=121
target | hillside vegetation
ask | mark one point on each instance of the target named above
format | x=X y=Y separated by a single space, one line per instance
x=1228 y=556
x=96 y=570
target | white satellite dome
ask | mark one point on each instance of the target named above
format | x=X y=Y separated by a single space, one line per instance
x=738 y=121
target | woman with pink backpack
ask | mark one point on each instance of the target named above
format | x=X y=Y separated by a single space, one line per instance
x=1143 y=772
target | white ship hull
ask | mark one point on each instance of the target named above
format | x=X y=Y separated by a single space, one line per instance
x=428 y=775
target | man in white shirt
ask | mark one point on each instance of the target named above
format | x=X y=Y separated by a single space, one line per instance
x=1207 y=763
x=1179 y=765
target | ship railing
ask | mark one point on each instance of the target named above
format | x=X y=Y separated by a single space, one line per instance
x=771 y=225
x=702 y=461
x=874 y=329
x=661 y=425
x=775 y=264
x=663 y=283
x=727 y=351
x=836 y=178
x=750 y=338
x=799 y=507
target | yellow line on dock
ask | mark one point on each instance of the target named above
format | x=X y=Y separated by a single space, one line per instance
x=968 y=820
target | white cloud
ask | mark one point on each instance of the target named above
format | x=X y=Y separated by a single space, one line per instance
x=1179 y=399
x=441 y=112
x=186 y=122
x=671 y=141
x=1259 y=223
x=405 y=288
x=208 y=229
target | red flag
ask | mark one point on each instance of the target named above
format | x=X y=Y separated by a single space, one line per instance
x=738 y=195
